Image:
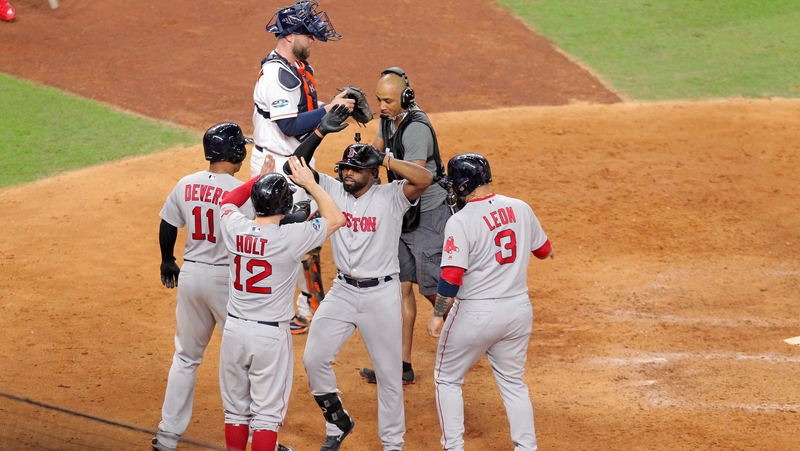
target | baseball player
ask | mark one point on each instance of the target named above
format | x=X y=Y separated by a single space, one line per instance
x=407 y=133
x=203 y=291
x=287 y=110
x=484 y=270
x=256 y=355
x=366 y=292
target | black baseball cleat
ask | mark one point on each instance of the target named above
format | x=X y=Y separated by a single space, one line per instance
x=284 y=448
x=333 y=442
x=369 y=375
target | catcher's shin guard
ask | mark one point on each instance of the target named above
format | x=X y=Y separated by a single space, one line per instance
x=313 y=275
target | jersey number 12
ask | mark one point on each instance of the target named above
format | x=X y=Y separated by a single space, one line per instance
x=260 y=270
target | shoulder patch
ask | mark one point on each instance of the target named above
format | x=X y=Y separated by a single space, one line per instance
x=287 y=79
x=315 y=224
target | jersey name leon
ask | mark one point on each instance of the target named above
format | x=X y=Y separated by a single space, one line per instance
x=500 y=218
x=247 y=244
x=360 y=224
x=204 y=193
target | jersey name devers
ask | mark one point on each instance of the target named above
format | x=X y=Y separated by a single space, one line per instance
x=360 y=224
x=500 y=217
x=250 y=244
x=197 y=192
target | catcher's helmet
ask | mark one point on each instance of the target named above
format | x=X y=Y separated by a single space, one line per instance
x=465 y=172
x=225 y=142
x=272 y=195
x=303 y=18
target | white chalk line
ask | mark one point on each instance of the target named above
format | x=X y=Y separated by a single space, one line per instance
x=627 y=315
x=662 y=401
x=640 y=359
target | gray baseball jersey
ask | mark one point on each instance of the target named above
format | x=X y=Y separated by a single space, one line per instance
x=492 y=239
x=256 y=357
x=263 y=263
x=202 y=291
x=364 y=248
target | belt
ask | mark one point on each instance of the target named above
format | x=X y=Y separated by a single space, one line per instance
x=259 y=148
x=204 y=263
x=266 y=323
x=363 y=283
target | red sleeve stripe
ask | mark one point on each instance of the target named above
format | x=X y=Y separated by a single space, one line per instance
x=239 y=195
x=543 y=251
x=453 y=275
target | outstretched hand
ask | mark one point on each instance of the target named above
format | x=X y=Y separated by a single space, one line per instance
x=341 y=99
x=332 y=121
x=302 y=175
x=269 y=165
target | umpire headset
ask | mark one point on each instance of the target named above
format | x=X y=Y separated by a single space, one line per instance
x=407 y=96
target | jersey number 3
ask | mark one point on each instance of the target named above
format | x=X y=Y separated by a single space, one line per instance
x=506 y=240
x=260 y=270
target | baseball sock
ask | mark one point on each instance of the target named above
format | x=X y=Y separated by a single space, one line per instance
x=264 y=440
x=236 y=436
x=406 y=367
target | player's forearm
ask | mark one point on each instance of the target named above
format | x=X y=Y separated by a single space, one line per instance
x=167 y=236
x=240 y=194
x=442 y=305
x=305 y=150
x=327 y=208
x=302 y=123
x=418 y=179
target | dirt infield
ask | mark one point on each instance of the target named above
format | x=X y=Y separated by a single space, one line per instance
x=659 y=325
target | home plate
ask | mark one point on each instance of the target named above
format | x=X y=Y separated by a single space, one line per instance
x=793 y=341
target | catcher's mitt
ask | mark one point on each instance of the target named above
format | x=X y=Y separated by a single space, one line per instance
x=361 y=112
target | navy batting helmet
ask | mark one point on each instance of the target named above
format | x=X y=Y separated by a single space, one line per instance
x=225 y=142
x=465 y=172
x=303 y=18
x=361 y=156
x=272 y=195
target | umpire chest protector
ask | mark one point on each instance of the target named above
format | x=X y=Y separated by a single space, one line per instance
x=395 y=145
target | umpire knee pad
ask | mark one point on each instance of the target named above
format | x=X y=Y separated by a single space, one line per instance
x=333 y=412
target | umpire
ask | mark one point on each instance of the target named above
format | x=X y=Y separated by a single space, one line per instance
x=406 y=132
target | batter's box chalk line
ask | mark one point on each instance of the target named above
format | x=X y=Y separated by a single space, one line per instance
x=67 y=429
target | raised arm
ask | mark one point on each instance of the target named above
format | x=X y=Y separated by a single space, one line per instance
x=303 y=177
x=418 y=179
x=332 y=122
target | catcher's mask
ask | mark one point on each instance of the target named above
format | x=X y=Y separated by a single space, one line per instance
x=465 y=172
x=225 y=142
x=303 y=18
x=272 y=195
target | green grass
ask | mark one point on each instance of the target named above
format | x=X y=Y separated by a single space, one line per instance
x=44 y=131
x=678 y=49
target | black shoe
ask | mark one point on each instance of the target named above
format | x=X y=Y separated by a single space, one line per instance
x=284 y=448
x=333 y=442
x=369 y=375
